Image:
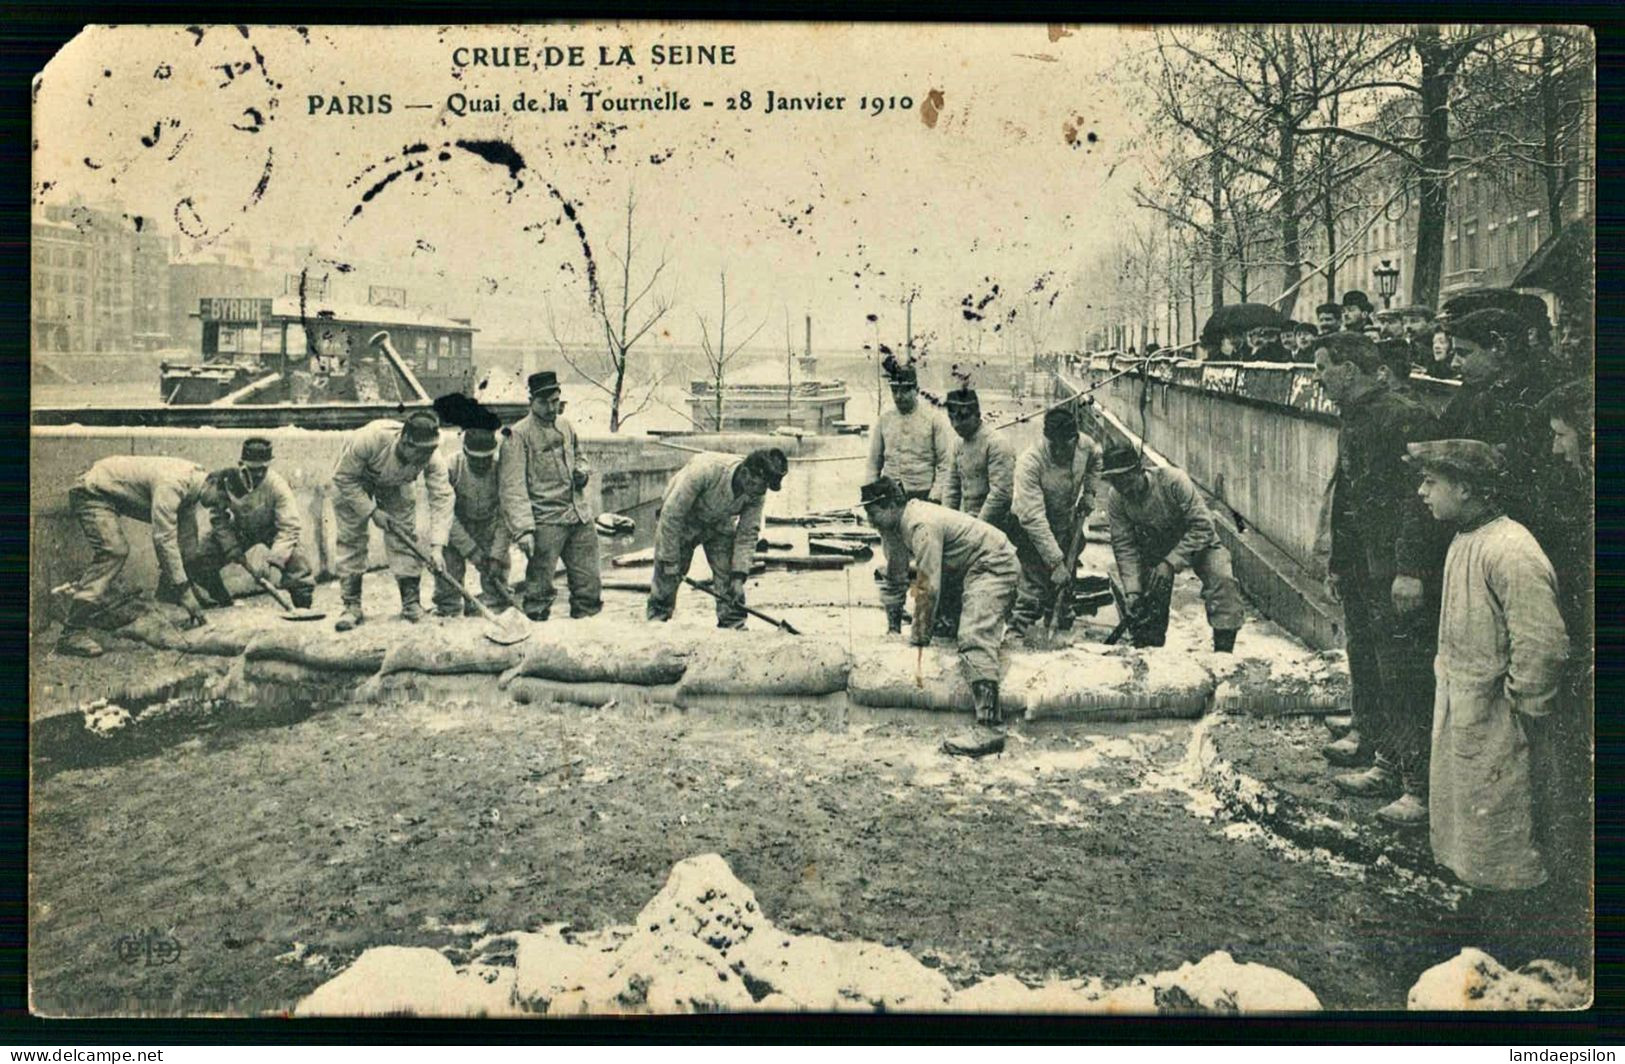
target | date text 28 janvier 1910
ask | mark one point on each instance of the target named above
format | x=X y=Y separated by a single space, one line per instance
x=591 y=100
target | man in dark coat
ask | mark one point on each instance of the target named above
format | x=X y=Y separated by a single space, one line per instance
x=1357 y=311
x=1496 y=403
x=1328 y=318
x=1386 y=556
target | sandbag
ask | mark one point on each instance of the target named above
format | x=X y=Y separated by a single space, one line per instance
x=319 y=647
x=529 y=691
x=1310 y=684
x=897 y=675
x=1119 y=683
x=764 y=663
x=604 y=659
x=156 y=630
x=451 y=649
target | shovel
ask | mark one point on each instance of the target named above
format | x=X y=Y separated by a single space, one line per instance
x=497 y=631
x=289 y=611
x=786 y=625
x=1045 y=639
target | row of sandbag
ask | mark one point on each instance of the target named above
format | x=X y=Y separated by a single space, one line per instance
x=1088 y=680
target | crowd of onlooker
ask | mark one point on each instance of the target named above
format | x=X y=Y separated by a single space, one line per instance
x=1459 y=543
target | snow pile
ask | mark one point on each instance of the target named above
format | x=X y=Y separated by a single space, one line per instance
x=703 y=944
x=103 y=718
x=1474 y=980
x=408 y=981
x=1216 y=983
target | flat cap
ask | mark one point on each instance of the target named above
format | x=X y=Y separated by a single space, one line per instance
x=1472 y=459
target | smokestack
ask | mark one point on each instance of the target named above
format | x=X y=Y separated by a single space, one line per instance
x=809 y=336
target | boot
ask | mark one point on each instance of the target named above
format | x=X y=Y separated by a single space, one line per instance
x=78 y=643
x=1346 y=751
x=1339 y=725
x=987 y=737
x=411 y=598
x=1378 y=781
x=350 y=590
x=1406 y=811
x=1224 y=640
x=985 y=694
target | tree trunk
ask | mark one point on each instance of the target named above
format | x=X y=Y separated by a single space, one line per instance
x=615 y=396
x=1551 y=164
x=1216 y=231
x=1190 y=276
x=1433 y=193
x=1286 y=178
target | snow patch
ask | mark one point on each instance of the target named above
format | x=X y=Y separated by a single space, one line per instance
x=702 y=944
x=1473 y=980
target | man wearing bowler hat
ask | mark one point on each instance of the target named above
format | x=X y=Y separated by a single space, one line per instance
x=376 y=470
x=477 y=533
x=258 y=509
x=543 y=478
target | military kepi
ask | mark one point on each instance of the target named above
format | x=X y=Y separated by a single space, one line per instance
x=1119 y=458
x=545 y=382
x=256 y=451
x=423 y=429
x=770 y=464
x=886 y=489
x=479 y=443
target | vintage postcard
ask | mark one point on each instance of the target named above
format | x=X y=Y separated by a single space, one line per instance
x=657 y=517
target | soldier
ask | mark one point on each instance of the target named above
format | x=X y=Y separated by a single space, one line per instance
x=1157 y=514
x=942 y=541
x=981 y=482
x=259 y=509
x=477 y=533
x=543 y=477
x=1384 y=564
x=714 y=502
x=913 y=446
x=1056 y=482
x=376 y=469
x=165 y=492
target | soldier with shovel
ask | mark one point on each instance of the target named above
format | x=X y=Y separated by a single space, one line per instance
x=374 y=479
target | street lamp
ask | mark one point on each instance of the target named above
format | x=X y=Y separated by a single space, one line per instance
x=1387 y=281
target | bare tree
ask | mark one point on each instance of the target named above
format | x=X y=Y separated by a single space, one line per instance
x=626 y=314
x=718 y=354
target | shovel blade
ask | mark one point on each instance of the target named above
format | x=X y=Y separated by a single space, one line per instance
x=508 y=627
x=303 y=615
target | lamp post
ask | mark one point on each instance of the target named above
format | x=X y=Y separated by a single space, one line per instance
x=1387 y=281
